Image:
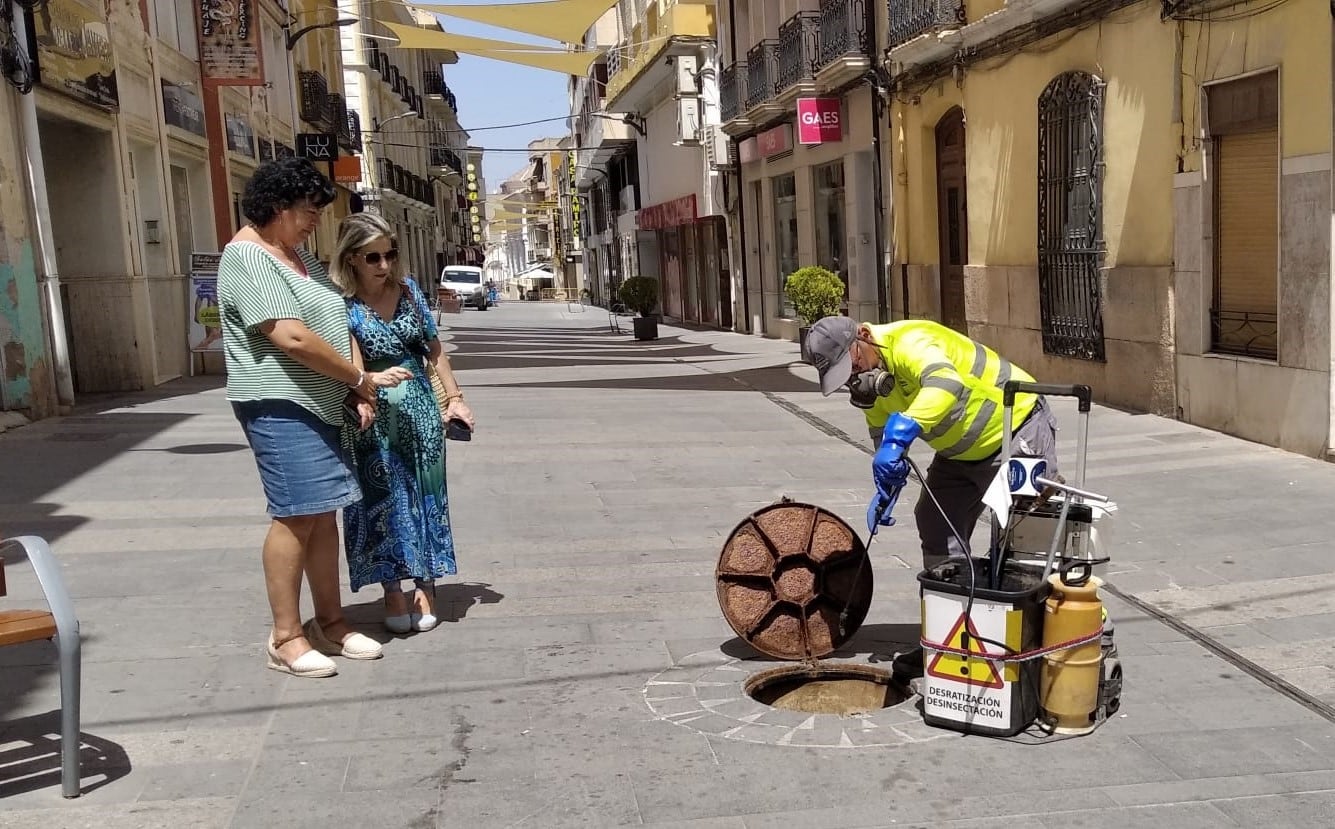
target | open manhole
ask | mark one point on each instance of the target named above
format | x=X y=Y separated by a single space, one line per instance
x=844 y=690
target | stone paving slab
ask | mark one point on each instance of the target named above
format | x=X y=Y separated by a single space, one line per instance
x=586 y=676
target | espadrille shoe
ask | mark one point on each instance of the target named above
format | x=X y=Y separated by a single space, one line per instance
x=354 y=646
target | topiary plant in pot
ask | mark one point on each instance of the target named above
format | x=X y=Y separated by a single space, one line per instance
x=640 y=294
x=816 y=293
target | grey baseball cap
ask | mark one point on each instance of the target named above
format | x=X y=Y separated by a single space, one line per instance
x=827 y=346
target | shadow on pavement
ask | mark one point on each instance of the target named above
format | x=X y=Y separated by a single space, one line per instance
x=880 y=642
x=30 y=757
x=44 y=456
x=452 y=602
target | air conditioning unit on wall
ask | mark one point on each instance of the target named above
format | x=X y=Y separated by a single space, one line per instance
x=716 y=146
x=688 y=122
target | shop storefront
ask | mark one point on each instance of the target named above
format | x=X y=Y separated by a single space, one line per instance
x=691 y=260
x=808 y=183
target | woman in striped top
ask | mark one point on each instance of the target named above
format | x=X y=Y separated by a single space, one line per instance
x=291 y=371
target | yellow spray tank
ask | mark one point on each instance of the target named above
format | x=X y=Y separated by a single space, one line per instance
x=1069 y=689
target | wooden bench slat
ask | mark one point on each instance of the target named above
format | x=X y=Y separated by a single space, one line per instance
x=19 y=626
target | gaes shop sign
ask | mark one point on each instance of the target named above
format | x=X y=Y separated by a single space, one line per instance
x=819 y=120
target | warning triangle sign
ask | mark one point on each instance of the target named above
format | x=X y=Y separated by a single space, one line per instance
x=965 y=669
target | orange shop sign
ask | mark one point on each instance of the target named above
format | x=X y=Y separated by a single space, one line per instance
x=348 y=168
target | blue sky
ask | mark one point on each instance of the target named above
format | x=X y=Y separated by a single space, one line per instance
x=492 y=92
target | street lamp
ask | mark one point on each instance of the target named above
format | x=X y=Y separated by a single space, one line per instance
x=377 y=125
x=637 y=122
x=293 y=37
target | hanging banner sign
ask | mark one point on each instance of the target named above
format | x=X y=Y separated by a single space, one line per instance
x=229 y=42
x=348 y=169
x=819 y=120
x=74 y=52
x=205 y=318
x=317 y=146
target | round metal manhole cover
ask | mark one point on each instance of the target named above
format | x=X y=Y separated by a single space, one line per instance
x=794 y=581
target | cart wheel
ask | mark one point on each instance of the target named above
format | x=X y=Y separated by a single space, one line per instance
x=1110 y=687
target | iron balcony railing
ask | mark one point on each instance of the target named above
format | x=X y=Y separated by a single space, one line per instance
x=433 y=83
x=796 y=50
x=371 y=53
x=760 y=72
x=730 y=91
x=384 y=67
x=910 y=18
x=445 y=157
x=843 y=30
x=314 y=103
x=338 y=112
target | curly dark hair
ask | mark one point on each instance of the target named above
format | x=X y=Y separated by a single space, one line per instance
x=280 y=184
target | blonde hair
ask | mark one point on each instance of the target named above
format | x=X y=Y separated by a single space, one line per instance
x=354 y=233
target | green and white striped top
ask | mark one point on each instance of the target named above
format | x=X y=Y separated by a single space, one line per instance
x=254 y=286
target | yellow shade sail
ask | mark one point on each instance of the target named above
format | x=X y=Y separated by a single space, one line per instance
x=539 y=57
x=564 y=20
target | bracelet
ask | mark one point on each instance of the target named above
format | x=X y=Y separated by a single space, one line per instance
x=361 y=378
x=450 y=398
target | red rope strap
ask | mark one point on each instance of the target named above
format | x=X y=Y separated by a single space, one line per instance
x=1024 y=656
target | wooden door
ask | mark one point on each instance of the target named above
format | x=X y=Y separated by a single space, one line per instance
x=952 y=216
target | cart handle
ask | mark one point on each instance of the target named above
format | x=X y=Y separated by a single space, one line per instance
x=1071 y=490
x=1080 y=392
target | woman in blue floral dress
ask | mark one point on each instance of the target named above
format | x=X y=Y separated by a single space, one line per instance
x=401 y=528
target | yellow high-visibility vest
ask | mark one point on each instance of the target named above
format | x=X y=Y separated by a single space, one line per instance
x=949 y=384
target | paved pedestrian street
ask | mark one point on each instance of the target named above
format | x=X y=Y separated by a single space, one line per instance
x=584 y=674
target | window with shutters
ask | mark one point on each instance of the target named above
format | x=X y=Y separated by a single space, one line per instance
x=1243 y=118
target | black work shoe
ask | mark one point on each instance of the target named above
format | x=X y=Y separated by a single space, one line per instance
x=908 y=664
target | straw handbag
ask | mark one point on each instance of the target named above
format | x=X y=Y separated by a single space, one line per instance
x=438 y=387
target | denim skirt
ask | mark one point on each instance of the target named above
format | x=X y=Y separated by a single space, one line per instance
x=300 y=458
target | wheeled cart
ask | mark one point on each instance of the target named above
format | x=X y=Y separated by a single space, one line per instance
x=991 y=663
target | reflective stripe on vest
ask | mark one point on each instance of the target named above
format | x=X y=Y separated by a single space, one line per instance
x=958 y=412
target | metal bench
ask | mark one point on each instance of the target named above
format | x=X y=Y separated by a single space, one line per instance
x=59 y=623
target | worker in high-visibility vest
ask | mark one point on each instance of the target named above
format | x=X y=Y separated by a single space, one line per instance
x=946 y=389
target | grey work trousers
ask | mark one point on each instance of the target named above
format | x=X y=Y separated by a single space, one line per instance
x=959 y=487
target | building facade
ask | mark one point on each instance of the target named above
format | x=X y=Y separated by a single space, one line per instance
x=143 y=141
x=804 y=187
x=651 y=203
x=412 y=170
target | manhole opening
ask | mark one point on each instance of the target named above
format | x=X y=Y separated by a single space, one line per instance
x=844 y=690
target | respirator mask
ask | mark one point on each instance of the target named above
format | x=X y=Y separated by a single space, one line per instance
x=866 y=387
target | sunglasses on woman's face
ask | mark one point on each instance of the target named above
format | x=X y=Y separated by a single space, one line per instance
x=373 y=258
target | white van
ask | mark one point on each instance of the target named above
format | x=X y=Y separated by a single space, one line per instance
x=467 y=283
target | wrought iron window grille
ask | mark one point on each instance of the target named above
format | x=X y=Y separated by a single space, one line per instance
x=1070 y=216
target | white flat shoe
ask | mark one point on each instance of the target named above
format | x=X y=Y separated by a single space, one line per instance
x=423 y=622
x=399 y=624
x=310 y=664
x=354 y=646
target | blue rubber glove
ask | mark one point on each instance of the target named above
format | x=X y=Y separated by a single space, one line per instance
x=878 y=511
x=890 y=468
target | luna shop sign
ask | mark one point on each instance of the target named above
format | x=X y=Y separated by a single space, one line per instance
x=73 y=52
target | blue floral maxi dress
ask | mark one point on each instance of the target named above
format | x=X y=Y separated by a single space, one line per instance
x=401 y=528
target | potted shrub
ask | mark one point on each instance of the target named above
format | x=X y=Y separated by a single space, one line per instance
x=640 y=294
x=815 y=292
